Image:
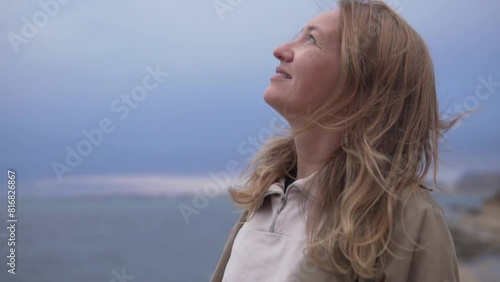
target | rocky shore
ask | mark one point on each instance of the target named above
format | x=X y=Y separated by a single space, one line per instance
x=476 y=233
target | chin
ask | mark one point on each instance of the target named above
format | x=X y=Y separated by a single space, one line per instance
x=272 y=99
x=278 y=102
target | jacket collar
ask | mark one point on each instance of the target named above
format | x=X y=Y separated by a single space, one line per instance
x=299 y=184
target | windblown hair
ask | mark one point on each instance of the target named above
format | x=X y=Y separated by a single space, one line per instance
x=385 y=99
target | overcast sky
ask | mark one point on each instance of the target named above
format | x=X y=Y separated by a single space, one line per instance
x=66 y=66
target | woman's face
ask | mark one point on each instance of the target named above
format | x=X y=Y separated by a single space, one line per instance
x=311 y=61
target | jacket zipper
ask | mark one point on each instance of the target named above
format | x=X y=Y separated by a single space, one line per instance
x=281 y=207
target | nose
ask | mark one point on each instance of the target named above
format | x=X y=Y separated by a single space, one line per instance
x=284 y=52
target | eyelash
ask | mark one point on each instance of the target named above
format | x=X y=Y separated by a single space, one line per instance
x=310 y=36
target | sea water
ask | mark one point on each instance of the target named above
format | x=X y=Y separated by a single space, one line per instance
x=115 y=239
x=140 y=239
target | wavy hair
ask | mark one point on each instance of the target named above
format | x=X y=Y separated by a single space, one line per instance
x=385 y=100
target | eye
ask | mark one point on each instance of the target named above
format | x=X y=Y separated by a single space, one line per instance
x=310 y=37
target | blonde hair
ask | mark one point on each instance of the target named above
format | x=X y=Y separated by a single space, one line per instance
x=385 y=98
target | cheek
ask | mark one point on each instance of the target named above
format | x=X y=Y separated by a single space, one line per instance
x=316 y=81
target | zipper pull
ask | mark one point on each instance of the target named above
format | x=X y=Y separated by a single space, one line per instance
x=283 y=200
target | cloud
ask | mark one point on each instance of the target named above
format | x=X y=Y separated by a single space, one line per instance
x=91 y=52
x=139 y=185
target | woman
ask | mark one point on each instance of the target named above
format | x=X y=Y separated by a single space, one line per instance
x=340 y=197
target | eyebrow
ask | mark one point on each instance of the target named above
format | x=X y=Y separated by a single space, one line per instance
x=310 y=28
x=313 y=27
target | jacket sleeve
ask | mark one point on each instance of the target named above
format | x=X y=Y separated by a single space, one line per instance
x=218 y=273
x=433 y=257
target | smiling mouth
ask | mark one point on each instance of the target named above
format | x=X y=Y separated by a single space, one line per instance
x=284 y=75
x=281 y=72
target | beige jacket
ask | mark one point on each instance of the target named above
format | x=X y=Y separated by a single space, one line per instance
x=269 y=246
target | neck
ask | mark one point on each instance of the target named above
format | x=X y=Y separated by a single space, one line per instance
x=314 y=146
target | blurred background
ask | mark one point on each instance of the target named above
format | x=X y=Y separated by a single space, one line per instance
x=124 y=122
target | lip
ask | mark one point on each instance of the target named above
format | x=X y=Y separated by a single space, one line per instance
x=282 y=70
x=277 y=76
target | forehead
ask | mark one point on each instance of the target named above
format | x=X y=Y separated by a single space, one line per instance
x=326 y=23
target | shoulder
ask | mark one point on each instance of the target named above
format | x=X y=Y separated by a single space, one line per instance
x=421 y=247
x=415 y=203
x=419 y=224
